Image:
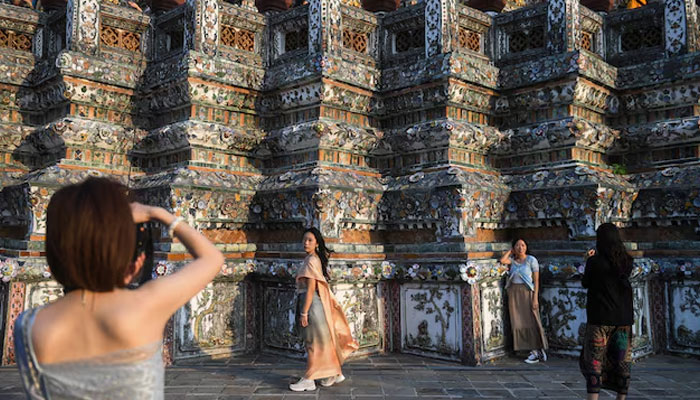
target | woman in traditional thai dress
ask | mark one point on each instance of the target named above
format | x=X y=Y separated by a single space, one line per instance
x=606 y=355
x=523 y=286
x=323 y=325
x=102 y=340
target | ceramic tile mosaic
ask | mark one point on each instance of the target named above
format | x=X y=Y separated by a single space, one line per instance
x=417 y=140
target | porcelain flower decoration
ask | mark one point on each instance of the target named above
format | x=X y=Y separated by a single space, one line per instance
x=469 y=272
x=8 y=269
x=162 y=268
x=413 y=270
x=387 y=269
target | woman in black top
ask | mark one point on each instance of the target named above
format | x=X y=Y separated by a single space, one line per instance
x=606 y=356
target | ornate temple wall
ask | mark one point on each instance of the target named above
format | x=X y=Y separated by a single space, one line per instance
x=418 y=140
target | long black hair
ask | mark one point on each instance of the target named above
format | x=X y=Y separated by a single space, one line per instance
x=321 y=250
x=609 y=246
x=527 y=246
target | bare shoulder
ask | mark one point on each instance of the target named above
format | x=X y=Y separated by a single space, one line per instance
x=45 y=319
x=126 y=316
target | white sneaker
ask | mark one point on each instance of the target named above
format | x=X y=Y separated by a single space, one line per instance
x=331 y=380
x=533 y=358
x=303 y=385
x=543 y=356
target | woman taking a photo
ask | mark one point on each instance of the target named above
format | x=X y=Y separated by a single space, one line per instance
x=606 y=355
x=101 y=340
x=523 y=286
x=324 y=327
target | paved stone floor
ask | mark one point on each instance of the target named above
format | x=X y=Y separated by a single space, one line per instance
x=398 y=376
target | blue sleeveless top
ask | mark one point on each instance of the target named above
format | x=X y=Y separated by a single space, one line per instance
x=136 y=373
x=522 y=272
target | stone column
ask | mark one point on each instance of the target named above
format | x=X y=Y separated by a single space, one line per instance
x=325 y=32
x=563 y=26
x=83 y=25
x=440 y=26
x=206 y=25
x=692 y=18
x=675 y=26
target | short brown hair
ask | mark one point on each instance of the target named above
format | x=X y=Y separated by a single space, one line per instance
x=90 y=235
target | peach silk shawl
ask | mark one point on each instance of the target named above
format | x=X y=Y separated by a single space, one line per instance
x=335 y=317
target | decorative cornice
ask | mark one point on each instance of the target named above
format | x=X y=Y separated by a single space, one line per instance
x=562 y=133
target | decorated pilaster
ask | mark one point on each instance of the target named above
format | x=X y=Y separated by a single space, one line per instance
x=20 y=30
x=325 y=27
x=563 y=26
x=692 y=12
x=83 y=25
x=200 y=98
x=440 y=27
x=207 y=23
x=676 y=27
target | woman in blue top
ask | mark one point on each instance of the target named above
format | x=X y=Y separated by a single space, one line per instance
x=523 y=287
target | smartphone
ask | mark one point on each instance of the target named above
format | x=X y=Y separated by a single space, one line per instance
x=144 y=245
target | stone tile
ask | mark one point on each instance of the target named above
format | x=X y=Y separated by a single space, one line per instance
x=559 y=392
x=332 y=396
x=526 y=393
x=495 y=393
x=238 y=390
x=207 y=389
x=399 y=391
x=365 y=390
x=481 y=378
x=518 y=385
x=273 y=390
x=488 y=385
x=400 y=397
x=654 y=392
x=175 y=396
x=462 y=393
x=173 y=390
x=342 y=389
x=362 y=382
x=430 y=391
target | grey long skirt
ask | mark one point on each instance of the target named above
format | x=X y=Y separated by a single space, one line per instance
x=317 y=332
x=524 y=321
x=322 y=359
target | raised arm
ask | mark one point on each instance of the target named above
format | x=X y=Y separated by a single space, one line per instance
x=505 y=258
x=160 y=298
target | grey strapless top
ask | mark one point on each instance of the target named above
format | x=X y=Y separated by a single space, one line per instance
x=127 y=374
